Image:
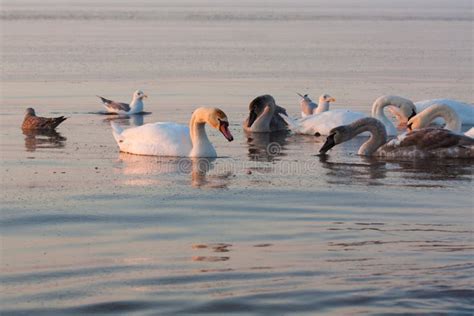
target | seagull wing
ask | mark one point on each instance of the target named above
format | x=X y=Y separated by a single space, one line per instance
x=115 y=106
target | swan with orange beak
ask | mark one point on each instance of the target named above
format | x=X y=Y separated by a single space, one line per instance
x=172 y=139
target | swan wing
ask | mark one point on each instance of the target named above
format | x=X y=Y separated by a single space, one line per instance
x=156 y=139
x=428 y=143
x=322 y=123
x=293 y=124
x=278 y=123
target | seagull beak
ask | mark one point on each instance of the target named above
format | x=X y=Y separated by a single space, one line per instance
x=330 y=143
x=332 y=100
x=145 y=96
x=224 y=129
x=302 y=96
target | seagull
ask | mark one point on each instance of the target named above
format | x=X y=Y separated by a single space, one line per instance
x=308 y=107
x=135 y=107
x=37 y=123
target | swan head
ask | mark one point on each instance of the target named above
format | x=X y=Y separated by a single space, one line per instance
x=336 y=136
x=218 y=120
x=30 y=111
x=426 y=117
x=415 y=122
x=139 y=95
x=402 y=115
x=326 y=98
x=259 y=105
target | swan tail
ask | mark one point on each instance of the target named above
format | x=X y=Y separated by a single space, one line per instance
x=117 y=132
x=292 y=123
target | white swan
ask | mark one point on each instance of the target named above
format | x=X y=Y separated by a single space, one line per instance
x=322 y=122
x=422 y=143
x=464 y=111
x=426 y=117
x=172 y=139
x=387 y=101
x=135 y=107
x=308 y=107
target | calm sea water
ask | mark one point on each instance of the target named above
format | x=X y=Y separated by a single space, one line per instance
x=266 y=228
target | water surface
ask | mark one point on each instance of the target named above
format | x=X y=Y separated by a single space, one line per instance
x=266 y=228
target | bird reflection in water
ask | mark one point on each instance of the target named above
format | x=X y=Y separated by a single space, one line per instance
x=367 y=172
x=370 y=170
x=266 y=146
x=43 y=139
x=126 y=120
x=200 y=177
x=151 y=170
x=441 y=170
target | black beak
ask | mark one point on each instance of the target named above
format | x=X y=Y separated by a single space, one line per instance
x=409 y=126
x=330 y=143
x=252 y=118
x=413 y=113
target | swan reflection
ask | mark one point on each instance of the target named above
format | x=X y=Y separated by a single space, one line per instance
x=43 y=139
x=150 y=170
x=372 y=170
x=367 y=172
x=434 y=170
x=266 y=146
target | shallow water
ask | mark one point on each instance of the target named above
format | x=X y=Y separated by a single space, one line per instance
x=266 y=228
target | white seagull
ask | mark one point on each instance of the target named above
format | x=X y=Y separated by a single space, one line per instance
x=135 y=107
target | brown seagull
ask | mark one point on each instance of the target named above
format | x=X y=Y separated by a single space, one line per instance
x=33 y=122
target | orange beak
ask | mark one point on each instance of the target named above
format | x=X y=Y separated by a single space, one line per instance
x=224 y=129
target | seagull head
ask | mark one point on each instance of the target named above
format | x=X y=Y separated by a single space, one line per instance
x=326 y=98
x=139 y=94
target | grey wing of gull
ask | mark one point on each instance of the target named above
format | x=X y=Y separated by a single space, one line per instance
x=115 y=105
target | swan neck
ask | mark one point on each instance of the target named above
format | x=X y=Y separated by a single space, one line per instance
x=197 y=132
x=262 y=123
x=200 y=142
x=453 y=123
x=378 y=136
x=378 y=113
